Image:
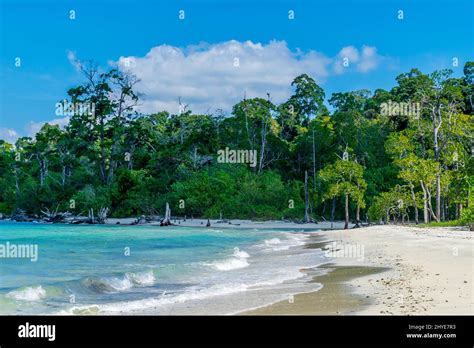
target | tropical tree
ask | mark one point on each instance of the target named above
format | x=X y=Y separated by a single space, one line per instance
x=345 y=178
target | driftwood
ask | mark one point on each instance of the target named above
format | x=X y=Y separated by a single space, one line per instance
x=102 y=215
x=140 y=220
x=80 y=220
x=50 y=215
x=21 y=216
x=55 y=216
x=167 y=219
x=90 y=216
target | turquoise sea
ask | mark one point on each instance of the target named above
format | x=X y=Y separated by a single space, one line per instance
x=108 y=269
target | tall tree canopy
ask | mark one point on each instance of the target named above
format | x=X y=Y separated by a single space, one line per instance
x=395 y=163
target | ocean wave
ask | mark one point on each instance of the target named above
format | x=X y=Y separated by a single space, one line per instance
x=273 y=241
x=143 y=278
x=30 y=293
x=290 y=240
x=119 y=284
x=230 y=264
x=193 y=293
x=238 y=260
x=240 y=253
x=262 y=277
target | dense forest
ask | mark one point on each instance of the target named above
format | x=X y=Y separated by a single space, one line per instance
x=403 y=155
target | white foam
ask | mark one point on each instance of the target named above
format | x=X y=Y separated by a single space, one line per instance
x=240 y=253
x=28 y=294
x=273 y=241
x=119 y=284
x=230 y=264
x=150 y=303
x=269 y=276
x=144 y=278
x=131 y=280
x=239 y=260
x=290 y=240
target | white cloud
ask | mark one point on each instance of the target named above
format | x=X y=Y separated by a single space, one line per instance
x=34 y=127
x=211 y=76
x=345 y=57
x=370 y=59
x=364 y=61
x=75 y=62
x=9 y=135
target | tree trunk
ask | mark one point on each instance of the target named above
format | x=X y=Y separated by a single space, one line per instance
x=447 y=215
x=425 y=203
x=358 y=214
x=413 y=197
x=438 y=197
x=346 y=223
x=443 y=209
x=43 y=164
x=91 y=215
x=430 y=208
x=333 y=210
x=314 y=166
x=262 y=147
x=102 y=215
x=17 y=181
x=306 y=198
x=167 y=219
x=63 y=176
x=102 y=163
x=437 y=120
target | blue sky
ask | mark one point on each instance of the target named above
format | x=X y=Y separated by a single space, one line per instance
x=270 y=48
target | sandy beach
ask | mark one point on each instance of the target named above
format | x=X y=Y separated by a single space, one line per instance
x=390 y=270
x=239 y=223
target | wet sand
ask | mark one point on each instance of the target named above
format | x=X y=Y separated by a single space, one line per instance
x=334 y=298
x=403 y=270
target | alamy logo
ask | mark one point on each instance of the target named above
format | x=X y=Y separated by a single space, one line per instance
x=336 y=250
x=37 y=331
x=66 y=108
x=400 y=109
x=20 y=251
x=237 y=156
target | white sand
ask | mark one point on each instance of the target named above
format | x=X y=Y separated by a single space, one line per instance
x=276 y=224
x=431 y=268
x=237 y=223
x=122 y=221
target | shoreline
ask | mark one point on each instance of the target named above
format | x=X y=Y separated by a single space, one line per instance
x=334 y=298
x=377 y=270
x=215 y=224
x=405 y=271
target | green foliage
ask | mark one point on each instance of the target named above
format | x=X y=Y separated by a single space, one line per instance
x=134 y=163
x=344 y=178
x=467 y=215
x=234 y=192
x=451 y=223
x=393 y=204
